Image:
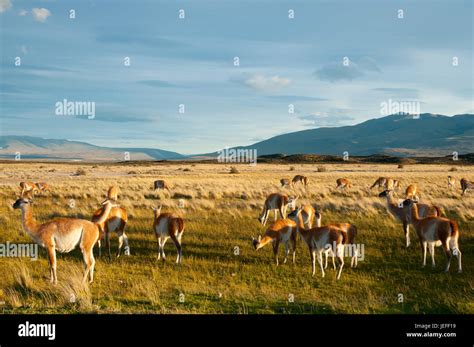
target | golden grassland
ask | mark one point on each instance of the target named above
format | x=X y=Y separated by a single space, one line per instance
x=221 y=272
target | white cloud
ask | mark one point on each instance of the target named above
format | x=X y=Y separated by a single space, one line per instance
x=264 y=83
x=23 y=13
x=5 y=5
x=41 y=14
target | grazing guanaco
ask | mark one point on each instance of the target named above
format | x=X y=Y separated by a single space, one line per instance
x=28 y=187
x=112 y=193
x=282 y=231
x=466 y=185
x=451 y=182
x=115 y=222
x=165 y=226
x=161 y=184
x=350 y=230
x=379 y=182
x=434 y=232
x=321 y=240
x=285 y=182
x=342 y=183
x=399 y=213
x=300 y=178
x=410 y=192
x=63 y=235
x=277 y=202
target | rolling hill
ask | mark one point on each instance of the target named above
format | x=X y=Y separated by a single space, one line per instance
x=395 y=135
x=39 y=148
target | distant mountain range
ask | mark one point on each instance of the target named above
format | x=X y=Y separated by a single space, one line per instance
x=39 y=148
x=394 y=135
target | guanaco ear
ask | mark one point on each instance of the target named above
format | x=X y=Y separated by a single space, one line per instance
x=259 y=238
x=105 y=202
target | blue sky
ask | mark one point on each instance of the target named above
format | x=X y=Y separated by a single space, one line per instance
x=190 y=61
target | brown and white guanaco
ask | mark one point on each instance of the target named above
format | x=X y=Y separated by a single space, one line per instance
x=278 y=202
x=165 y=226
x=63 y=235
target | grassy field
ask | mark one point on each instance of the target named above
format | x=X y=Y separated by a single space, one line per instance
x=221 y=272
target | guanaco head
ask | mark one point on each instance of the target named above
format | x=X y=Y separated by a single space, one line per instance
x=386 y=193
x=256 y=242
x=157 y=210
x=22 y=201
x=292 y=202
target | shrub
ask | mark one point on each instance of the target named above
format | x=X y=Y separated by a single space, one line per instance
x=322 y=169
x=401 y=166
x=292 y=168
x=234 y=170
x=81 y=172
x=453 y=169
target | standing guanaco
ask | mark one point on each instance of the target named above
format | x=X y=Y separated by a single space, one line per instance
x=320 y=240
x=399 y=213
x=451 y=182
x=434 y=232
x=63 y=235
x=282 y=231
x=116 y=221
x=28 y=187
x=466 y=185
x=410 y=192
x=165 y=226
x=277 y=202
x=350 y=230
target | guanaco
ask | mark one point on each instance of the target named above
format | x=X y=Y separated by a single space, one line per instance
x=399 y=213
x=434 y=232
x=451 y=182
x=28 y=187
x=320 y=240
x=300 y=178
x=350 y=230
x=379 y=182
x=410 y=192
x=161 y=184
x=342 y=183
x=63 y=235
x=115 y=222
x=466 y=185
x=282 y=231
x=277 y=202
x=285 y=182
x=165 y=226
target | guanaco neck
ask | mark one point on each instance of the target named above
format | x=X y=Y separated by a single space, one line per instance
x=28 y=221
x=104 y=215
x=415 y=218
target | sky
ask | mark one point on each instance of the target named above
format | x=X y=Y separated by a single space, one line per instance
x=142 y=64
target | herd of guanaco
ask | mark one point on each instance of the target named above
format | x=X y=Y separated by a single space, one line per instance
x=65 y=234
